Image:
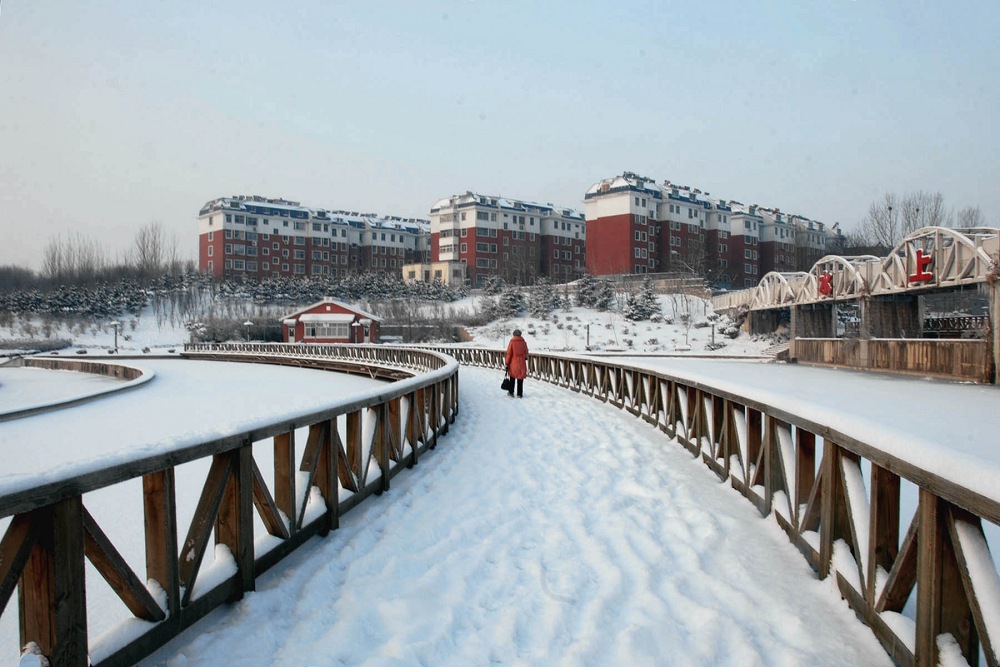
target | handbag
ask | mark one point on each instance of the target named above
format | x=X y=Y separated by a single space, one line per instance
x=508 y=384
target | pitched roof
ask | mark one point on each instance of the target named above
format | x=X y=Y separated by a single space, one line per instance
x=328 y=300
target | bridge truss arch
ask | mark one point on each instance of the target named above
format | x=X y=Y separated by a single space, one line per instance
x=938 y=257
x=777 y=290
x=834 y=278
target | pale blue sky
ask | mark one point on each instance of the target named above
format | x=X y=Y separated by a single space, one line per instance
x=114 y=113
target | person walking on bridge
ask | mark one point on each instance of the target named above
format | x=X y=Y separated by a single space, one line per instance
x=517 y=363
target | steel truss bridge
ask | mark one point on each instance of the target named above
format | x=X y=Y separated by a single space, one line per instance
x=931 y=258
x=807 y=476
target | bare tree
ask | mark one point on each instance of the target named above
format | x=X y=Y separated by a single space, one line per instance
x=970 y=216
x=891 y=218
x=75 y=259
x=148 y=250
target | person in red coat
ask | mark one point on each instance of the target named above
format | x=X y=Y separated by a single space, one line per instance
x=517 y=363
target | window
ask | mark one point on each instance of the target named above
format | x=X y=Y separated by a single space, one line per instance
x=300 y=240
x=210 y=251
x=464 y=248
x=251 y=266
x=300 y=269
x=238 y=264
x=327 y=329
x=747 y=268
x=284 y=267
x=211 y=235
x=299 y=254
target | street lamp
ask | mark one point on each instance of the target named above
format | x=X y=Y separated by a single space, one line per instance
x=115 y=324
x=248 y=324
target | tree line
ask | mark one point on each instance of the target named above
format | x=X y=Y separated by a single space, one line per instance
x=893 y=217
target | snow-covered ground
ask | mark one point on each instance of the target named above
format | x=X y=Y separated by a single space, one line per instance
x=24 y=388
x=561 y=330
x=549 y=530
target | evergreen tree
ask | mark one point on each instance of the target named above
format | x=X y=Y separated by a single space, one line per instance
x=604 y=296
x=543 y=299
x=493 y=285
x=510 y=302
x=586 y=291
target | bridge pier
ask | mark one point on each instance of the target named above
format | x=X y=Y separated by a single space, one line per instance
x=895 y=316
x=814 y=320
x=763 y=321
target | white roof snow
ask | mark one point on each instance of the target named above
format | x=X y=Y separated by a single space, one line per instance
x=327 y=317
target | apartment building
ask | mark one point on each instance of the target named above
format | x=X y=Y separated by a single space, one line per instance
x=255 y=237
x=636 y=225
x=516 y=240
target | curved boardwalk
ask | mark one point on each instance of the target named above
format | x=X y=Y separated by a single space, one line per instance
x=555 y=529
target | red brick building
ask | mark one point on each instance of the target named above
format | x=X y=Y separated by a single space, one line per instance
x=255 y=238
x=515 y=240
x=330 y=321
x=635 y=225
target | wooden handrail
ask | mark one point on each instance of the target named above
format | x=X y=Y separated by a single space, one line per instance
x=51 y=533
x=809 y=476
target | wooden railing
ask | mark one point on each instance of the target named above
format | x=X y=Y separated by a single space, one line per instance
x=959 y=359
x=352 y=449
x=812 y=479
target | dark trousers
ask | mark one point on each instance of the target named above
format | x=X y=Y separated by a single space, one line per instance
x=519 y=382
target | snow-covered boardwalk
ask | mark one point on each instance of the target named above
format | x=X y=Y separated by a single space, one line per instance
x=561 y=529
x=549 y=530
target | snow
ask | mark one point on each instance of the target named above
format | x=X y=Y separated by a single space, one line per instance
x=609 y=332
x=553 y=528
x=25 y=388
x=945 y=427
x=549 y=529
x=132 y=425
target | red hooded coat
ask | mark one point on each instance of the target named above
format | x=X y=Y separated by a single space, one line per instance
x=517 y=358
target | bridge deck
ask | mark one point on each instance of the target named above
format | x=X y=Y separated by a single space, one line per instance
x=553 y=527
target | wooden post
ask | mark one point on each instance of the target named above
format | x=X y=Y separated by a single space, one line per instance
x=234 y=523
x=805 y=469
x=834 y=523
x=755 y=432
x=52 y=592
x=325 y=478
x=284 y=477
x=160 y=518
x=942 y=606
x=354 y=461
x=883 y=537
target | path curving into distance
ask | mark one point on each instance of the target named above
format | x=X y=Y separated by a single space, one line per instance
x=550 y=530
